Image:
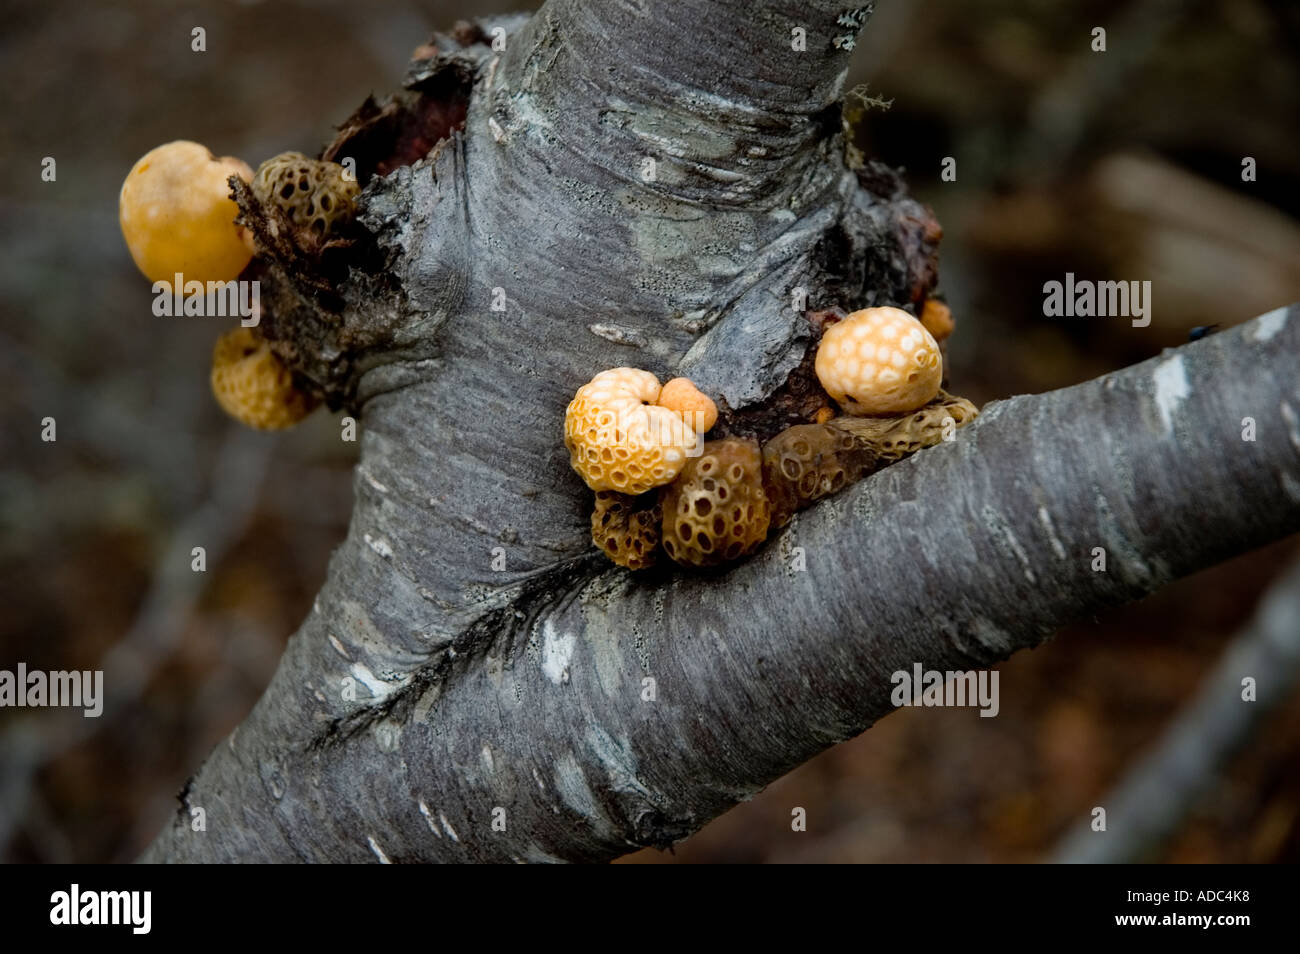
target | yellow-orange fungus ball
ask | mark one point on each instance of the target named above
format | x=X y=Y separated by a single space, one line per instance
x=178 y=218
x=696 y=408
x=879 y=361
x=254 y=386
x=618 y=439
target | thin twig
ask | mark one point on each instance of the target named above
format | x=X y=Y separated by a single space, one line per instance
x=31 y=743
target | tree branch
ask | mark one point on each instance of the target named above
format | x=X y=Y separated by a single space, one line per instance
x=954 y=558
x=431 y=695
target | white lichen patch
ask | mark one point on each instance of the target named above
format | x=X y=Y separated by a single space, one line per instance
x=1171 y=389
x=618 y=334
x=428 y=817
x=1000 y=529
x=991 y=636
x=378 y=688
x=423 y=705
x=853 y=20
x=1045 y=519
x=1292 y=424
x=380 y=546
x=1291 y=486
x=370 y=479
x=387 y=735
x=615 y=756
x=362 y=631
x=572 y=786
x=1268 y=326
x=557 y=651
x=379 y=852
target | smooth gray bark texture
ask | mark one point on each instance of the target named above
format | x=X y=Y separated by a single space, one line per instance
x=429 y=687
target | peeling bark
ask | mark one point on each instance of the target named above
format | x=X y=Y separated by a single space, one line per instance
x=427 y=688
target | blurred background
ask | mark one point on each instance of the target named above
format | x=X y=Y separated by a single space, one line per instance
x=1120 y=165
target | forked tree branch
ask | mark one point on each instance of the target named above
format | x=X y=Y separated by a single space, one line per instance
x=439 y=705
x=955 y=558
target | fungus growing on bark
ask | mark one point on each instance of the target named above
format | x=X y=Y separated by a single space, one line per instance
x=178 y=218
x=807 y=462
x=879 y=361
x=937 y=318
x=893 y=438
x=314 y=195
x=253 y=386
x=696 y=408
x=717 y=509
x=627 y=528
x=618 y=439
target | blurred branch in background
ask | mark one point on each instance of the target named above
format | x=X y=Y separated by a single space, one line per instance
x=1064 y=111
x=106 y=426
x=217 y=524
x=1151 y=802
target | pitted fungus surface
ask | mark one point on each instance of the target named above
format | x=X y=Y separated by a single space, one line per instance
x=254 y=386
x=315 y=195
x=893 y=438
x=879 y=361
x=619 y=440
x=626 y=528
x=807 y=462
x=717 y=510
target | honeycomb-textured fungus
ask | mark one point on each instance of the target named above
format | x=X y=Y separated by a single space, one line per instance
x=315 y=195
x=892 y=438
x=807 y=462
x=617 y=438
x=254 y=386
x=717 y=510
x=626 y=529
x=879 y=361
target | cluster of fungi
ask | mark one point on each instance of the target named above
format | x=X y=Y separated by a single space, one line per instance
x=178 y=218
x=661 y=487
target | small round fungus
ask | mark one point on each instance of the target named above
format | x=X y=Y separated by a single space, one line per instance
x=626 y=528
x=313 y=194
x=807 y=462
x=619 y=440
x=717 y=509
x=695 y=407
x=937 y=318
x=879 y=361
x=893 y=438
x=254 y=386
x=177 y=215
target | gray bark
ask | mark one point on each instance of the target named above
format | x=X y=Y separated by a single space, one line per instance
x=522 y=689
